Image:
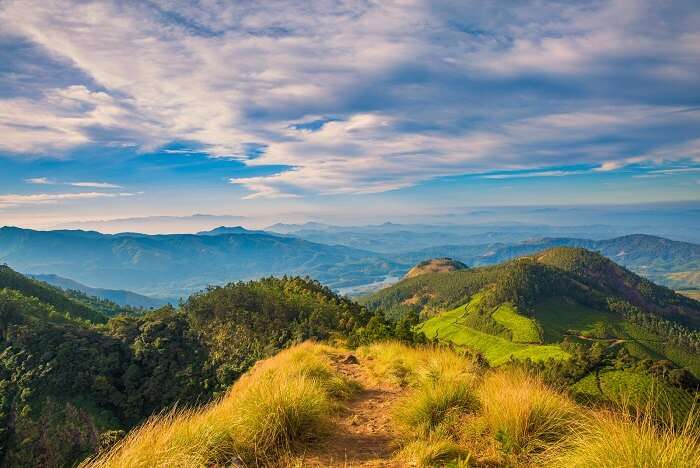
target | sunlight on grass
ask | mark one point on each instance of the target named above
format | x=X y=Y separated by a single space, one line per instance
x=283 y=401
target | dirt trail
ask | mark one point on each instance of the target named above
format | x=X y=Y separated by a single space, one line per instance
x=362 y=435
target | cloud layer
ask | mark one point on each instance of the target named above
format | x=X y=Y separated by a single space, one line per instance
x=358 y=96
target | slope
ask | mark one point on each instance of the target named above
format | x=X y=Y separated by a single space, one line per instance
x=531 y=307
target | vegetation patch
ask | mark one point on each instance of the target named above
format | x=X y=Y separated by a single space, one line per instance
x=446 y=327
x=281 y=403
x=523 y=329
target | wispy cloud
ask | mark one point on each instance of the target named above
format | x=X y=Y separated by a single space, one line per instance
x=36 y=198
x=47 y=181
x=39 y=181
x=103 y=185
x=417 y=89
x=518 y=175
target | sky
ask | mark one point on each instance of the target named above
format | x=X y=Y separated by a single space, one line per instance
x=349 y=111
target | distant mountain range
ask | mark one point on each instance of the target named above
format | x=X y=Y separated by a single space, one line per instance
x=118 y=296
x=174 y=265
x=178 y=264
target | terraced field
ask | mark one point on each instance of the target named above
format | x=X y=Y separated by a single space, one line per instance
x=559 y=317
x=627 y=387
x=523 y=329
x=497 y=350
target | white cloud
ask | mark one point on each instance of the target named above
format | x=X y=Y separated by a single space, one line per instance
x=532 y=174
x=48 y=181
x=39 y=181
x=402 y=77
x=103 y=185
x=36 y=198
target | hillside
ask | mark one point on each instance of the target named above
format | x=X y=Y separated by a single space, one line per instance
x=436 y=265
x=567 y=304
x=665 y=261
x=177 y=265
x=67 y=386
x=394 y=405
x=118 y=296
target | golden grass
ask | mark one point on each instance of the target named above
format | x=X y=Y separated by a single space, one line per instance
x=524 y=414
x=414 y=366
x=619 y=438
x=434 y=408
x=433 y=452
x=282 y=401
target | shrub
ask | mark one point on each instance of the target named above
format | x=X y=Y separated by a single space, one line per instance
x=434 y=408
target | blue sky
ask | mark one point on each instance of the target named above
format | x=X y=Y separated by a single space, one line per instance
x=355 y=110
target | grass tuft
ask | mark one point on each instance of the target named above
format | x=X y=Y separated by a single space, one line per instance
x=434 y=408
x=433 y=452
x=523 y=414
x=281 y=402
x=619 y=438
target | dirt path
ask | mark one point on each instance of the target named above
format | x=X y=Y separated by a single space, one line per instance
x=362 y=435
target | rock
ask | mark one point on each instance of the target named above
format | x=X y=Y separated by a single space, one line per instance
x=350 y=359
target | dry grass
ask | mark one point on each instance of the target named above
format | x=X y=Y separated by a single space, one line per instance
x=524 y=414
x=282 y=402
x=415 y=366
x=620 y=438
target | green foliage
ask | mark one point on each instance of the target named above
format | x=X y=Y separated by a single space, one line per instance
x=523 y=329
x=10 y=279
x=135 y=366
x=448 y=328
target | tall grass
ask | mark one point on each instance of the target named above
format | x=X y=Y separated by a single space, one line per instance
x=281 y=402
x=634 y=439
x=524 y=414
x=414 y=366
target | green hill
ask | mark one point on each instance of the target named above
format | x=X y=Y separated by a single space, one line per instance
x=49 y=295
x=568 y=311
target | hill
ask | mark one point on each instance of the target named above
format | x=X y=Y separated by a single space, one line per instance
x=668 y=262
x=67 y=385
x=49 y=295
x=118 y=296
x=179 y=264
x=436 y=265
x=549 y=305
x=393 y=405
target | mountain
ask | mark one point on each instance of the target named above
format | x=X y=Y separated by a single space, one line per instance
x=118 y=296
x=436 y=265
x=663 y=260
x=533 y=306
x=230 y=230
x=393 y=238
x=175 y=265
x=69 y=386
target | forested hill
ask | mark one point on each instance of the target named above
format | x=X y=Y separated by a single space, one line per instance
x=49 y=295
x=526 y=280
x=67 y=386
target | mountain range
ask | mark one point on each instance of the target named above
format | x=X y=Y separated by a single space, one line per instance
x=175 y=265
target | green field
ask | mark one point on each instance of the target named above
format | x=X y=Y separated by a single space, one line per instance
x=649 y=345
x=634 y=389
x=496 y=350
x=523 y=329
x=559 y=316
